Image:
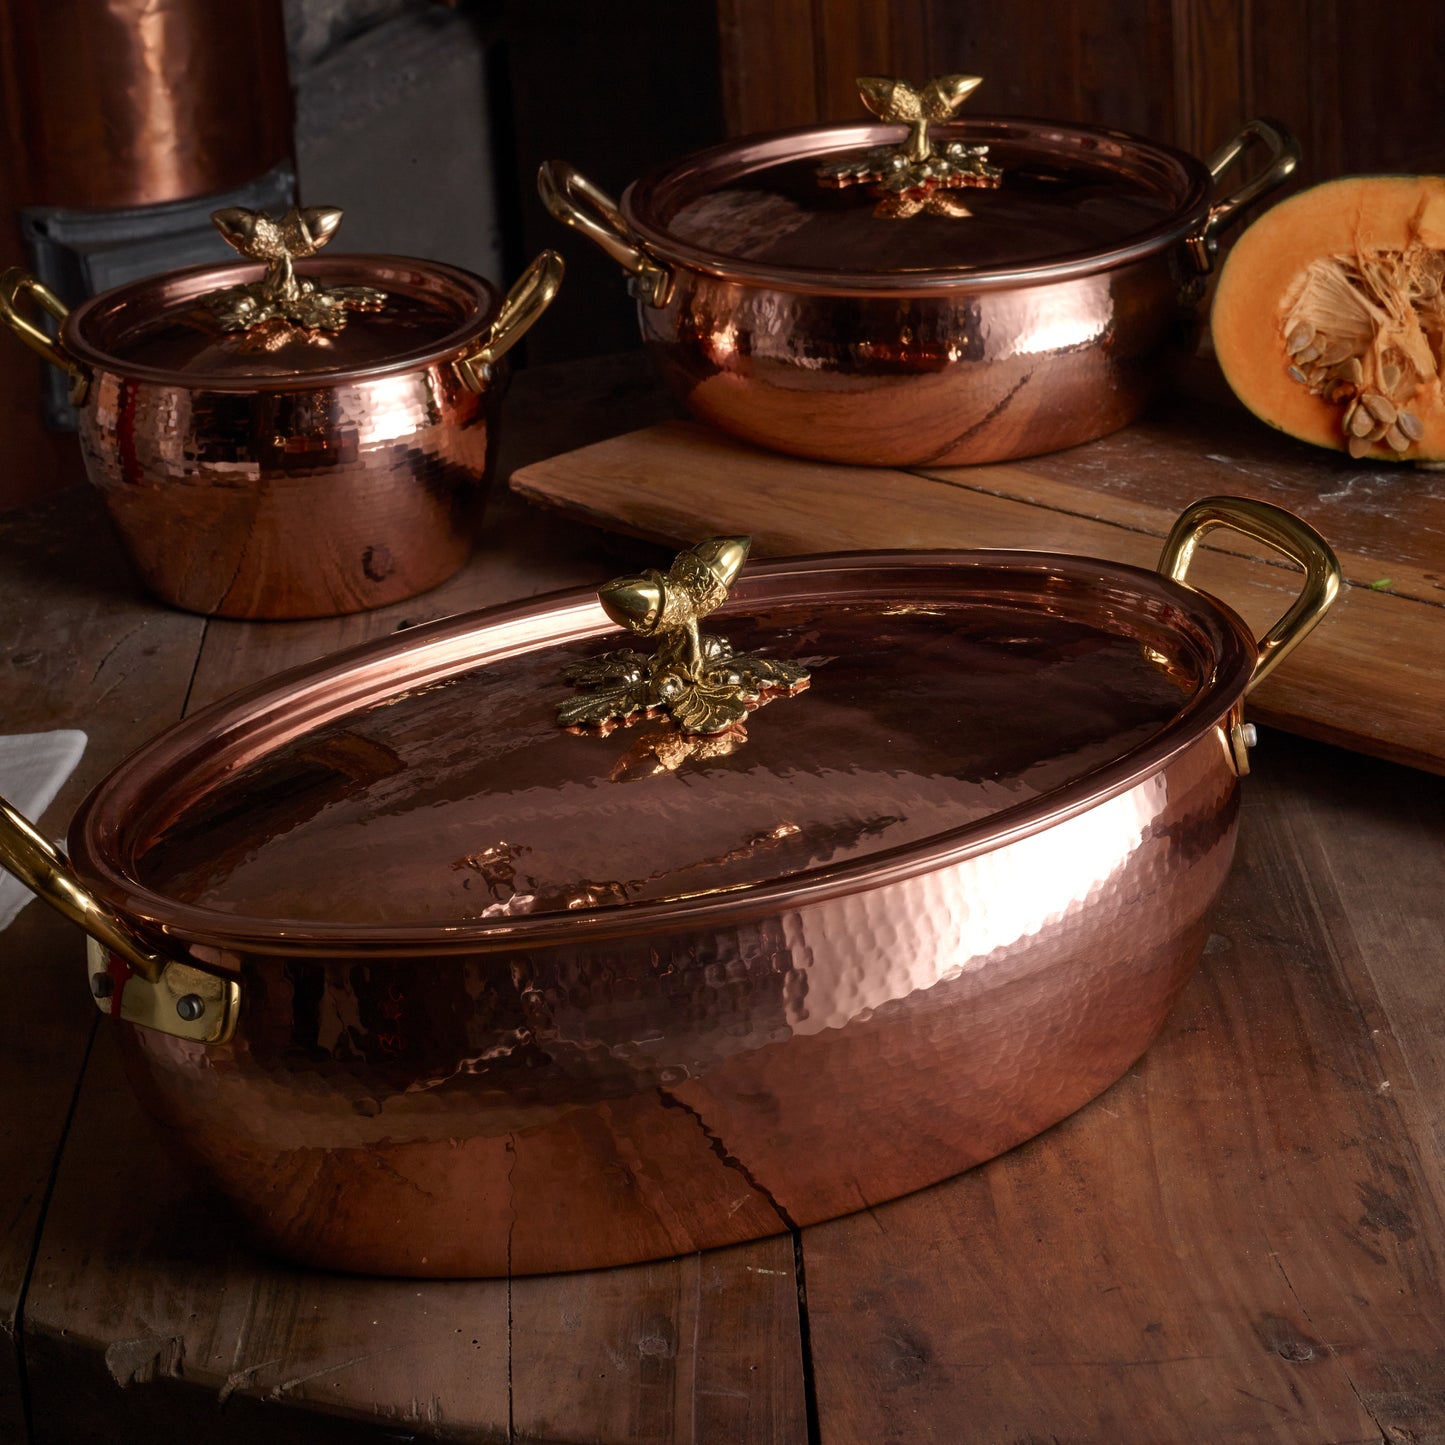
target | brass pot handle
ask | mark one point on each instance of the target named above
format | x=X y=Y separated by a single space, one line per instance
x=1288 y=535
x=155 y=991
x=13 y=283
x=1284 y=153
x=576 y=202
x=529 y=297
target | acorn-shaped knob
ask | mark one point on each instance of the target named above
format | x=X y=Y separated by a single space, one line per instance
x=697 y=583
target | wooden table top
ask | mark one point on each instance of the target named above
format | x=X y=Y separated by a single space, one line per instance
x=1241 y=1241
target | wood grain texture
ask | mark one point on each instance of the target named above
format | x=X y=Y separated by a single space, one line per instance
x=1372 y=677
x=1240 y=1242
x=1185 y=72
x=78 y=648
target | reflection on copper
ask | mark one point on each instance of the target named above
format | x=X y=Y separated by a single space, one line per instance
x=281 y=472
x=644 y=1024
x=137 y=102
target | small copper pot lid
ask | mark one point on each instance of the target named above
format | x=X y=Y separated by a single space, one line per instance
x=165 y=329
x=1068 y=198
x=420 y=797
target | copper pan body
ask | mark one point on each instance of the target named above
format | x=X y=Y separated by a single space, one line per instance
x=983 y=377
x=289 y=500
x=287 y=474
x=678 y=1090
x=576 y=1090
x=984 y=362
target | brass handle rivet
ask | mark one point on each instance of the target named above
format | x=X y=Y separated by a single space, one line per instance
x=190 y=1007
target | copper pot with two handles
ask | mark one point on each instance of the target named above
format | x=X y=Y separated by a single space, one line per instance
x=495 y=948
x=980 y=290
x=293 y=437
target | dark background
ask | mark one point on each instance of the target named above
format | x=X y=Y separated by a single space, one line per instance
x=428 y=120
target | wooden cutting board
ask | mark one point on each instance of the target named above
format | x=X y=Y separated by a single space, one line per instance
x=1372 y=677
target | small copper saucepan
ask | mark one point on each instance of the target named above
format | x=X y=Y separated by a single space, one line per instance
x=992 y=288
x=494 y=947
x=294 y=439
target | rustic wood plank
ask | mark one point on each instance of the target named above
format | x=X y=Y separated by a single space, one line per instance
x=700 y=1349
x=79 y=647
x=1240 y=1242
x=679 y=481
x=149 y=1318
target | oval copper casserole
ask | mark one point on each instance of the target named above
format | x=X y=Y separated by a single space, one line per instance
x=486 y=993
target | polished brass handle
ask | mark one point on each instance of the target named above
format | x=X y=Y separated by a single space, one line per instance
x=1288 y=535
x=155 y=991
x=529 y=297
x=13 y=284
x=1284 y=153
x=576 y=202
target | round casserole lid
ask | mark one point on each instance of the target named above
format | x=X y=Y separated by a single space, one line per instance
x=418 y=796
x=1072 y=199
x=161 y=329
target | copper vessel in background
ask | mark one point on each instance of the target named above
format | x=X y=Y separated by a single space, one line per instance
x=1041 y=302
x=430 y=985
x=138 y=102
x=321 y=446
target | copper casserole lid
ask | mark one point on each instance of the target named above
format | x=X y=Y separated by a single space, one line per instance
x=162 y=329
x=421 y=797
x=1068 y=198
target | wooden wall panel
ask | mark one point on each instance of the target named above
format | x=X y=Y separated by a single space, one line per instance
x=1361 y=94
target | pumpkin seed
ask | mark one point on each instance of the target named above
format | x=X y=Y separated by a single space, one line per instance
x=1297 y=375
x=1358 y=447
x=1361 y=422
x=1300 y=336
x=1411 y=425
x=1389 y=376
x=1396 y=440
x=1379 y=407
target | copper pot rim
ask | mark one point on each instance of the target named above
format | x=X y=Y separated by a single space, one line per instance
x=305 y=697
x=84 y=328
x=644 y=202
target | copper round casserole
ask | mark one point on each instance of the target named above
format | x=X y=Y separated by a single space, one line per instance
x=257 y=465
x=431 y=986
x=849 y=322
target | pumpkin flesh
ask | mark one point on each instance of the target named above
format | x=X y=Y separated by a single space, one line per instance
x=1329 y=317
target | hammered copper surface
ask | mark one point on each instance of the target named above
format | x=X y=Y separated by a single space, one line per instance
x=868 y=999
x=590 y=1104
x=794 y=317
x=284 y=473
x=948 y=378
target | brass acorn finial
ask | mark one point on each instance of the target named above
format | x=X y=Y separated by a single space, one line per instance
x=694 y=676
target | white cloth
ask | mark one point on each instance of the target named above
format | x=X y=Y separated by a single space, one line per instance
x=33 y=767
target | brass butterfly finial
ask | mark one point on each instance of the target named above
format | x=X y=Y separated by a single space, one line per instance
x=919 y=174
x=280 y=293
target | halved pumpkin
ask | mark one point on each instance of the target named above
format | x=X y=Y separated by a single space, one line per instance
x=1329 y=316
